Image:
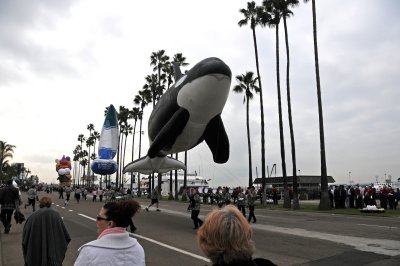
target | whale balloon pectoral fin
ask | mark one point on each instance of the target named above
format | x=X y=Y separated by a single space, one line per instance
x=147 y=165
x=170 y=131
x=217 y=139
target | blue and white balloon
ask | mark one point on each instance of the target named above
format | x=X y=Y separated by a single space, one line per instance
x=108 y=145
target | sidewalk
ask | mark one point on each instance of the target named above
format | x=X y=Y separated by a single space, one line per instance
x=13 y=241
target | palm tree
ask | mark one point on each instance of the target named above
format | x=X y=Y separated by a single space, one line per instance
x=324 y=202
x=286 y=13
x=127 y=130
x=179 y=61
x=76 y=159
x=134 y=114
x=151 y=86
x=96 y=136
x=84 y=162
x=81 y=139
x=90 y=127
x=254 y=15
x=142 y=99
x=6 y=151
x=273 y=7
x=168 y=69
x=159 y=60
x=123 y=115
x=89 y=143
x=246 y=85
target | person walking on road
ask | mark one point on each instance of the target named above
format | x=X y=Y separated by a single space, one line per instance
x=225 y=198
x=94 y=194
x=251 y=201
x=114 y=246
x=68 y=194
x=100 y=193
x=155 y=195
x=77 y=194
x=241 y=201
x=44 y=237
x=195 y=207
x=32 y=195
x=9 y=201
x=61 y=191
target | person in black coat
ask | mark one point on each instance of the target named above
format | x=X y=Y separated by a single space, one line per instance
x=44 y=237
x=228 y=222
x=9 y=201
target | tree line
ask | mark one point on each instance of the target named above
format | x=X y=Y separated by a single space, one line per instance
x=269 y=14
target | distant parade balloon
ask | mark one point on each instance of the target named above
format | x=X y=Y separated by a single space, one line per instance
x=63 y=168
x=108 y=145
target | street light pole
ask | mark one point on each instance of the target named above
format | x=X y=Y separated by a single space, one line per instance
x=349 y=178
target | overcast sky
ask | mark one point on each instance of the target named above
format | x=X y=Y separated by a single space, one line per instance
x=63 y=62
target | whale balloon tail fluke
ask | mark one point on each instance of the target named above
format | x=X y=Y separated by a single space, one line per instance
x=147 y=165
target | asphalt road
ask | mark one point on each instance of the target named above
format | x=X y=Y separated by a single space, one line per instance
x=285 y=237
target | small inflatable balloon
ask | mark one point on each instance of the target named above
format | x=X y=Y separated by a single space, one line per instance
x=108 y=145
x=63 y=168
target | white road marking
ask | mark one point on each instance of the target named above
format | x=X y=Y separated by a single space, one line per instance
x=171 y=247
x=383 y=226
x=87 y=217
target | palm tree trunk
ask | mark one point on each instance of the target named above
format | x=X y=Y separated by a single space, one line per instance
x=118 y=162
x=171 y=197
x=262 y=122
x=293 y=146
x=133 y=148
x=140 y=146
x=88 y=170
x=176 y=180
x=286 y=202
x=248 y=142
x=324 y=202
x=123 y=159
x=184 y=198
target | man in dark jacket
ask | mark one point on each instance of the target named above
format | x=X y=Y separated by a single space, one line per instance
x=9 y=200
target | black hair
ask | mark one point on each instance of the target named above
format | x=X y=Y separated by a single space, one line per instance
x=121 y=212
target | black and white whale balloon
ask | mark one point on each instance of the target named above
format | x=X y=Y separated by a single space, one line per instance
x=188 y=113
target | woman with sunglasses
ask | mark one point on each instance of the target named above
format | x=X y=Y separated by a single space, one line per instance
x=113 y=246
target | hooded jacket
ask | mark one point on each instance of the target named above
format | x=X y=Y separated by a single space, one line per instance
x=111 y=249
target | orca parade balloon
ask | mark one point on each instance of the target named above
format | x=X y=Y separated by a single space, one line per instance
x=188 y=113
x=108 y=145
